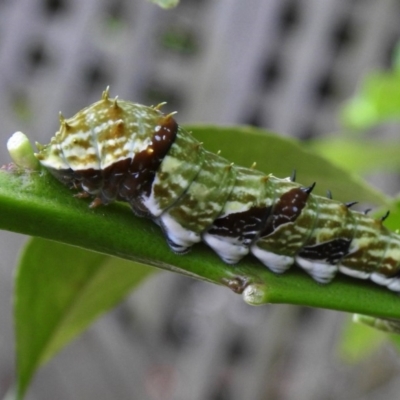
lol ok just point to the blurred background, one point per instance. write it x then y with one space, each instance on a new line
285 65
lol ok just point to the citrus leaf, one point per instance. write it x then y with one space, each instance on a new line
361 155
59 291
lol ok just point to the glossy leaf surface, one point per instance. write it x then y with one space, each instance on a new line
59 291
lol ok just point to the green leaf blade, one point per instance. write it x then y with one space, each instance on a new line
377 101
59 291
359 155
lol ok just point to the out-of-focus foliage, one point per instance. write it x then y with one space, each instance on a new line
377 100
166 3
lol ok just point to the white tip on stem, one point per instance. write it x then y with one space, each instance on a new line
21 151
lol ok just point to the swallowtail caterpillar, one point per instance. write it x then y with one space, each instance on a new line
119 150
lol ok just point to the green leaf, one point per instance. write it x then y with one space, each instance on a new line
359 155
377 101
358 342
166 3
59 291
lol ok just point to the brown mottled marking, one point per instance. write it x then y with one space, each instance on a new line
286 210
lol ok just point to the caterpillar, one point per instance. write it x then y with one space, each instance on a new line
116 150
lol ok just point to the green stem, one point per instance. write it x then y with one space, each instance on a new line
34 203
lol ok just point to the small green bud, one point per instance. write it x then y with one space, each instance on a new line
21 151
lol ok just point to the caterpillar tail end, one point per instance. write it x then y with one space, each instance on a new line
382 324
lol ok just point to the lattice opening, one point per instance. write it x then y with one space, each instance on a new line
343 35
290 16
116 13
272 73
156 92
179 39
96 75
325 88
54 8
36 57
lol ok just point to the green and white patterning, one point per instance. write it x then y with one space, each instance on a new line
118 150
